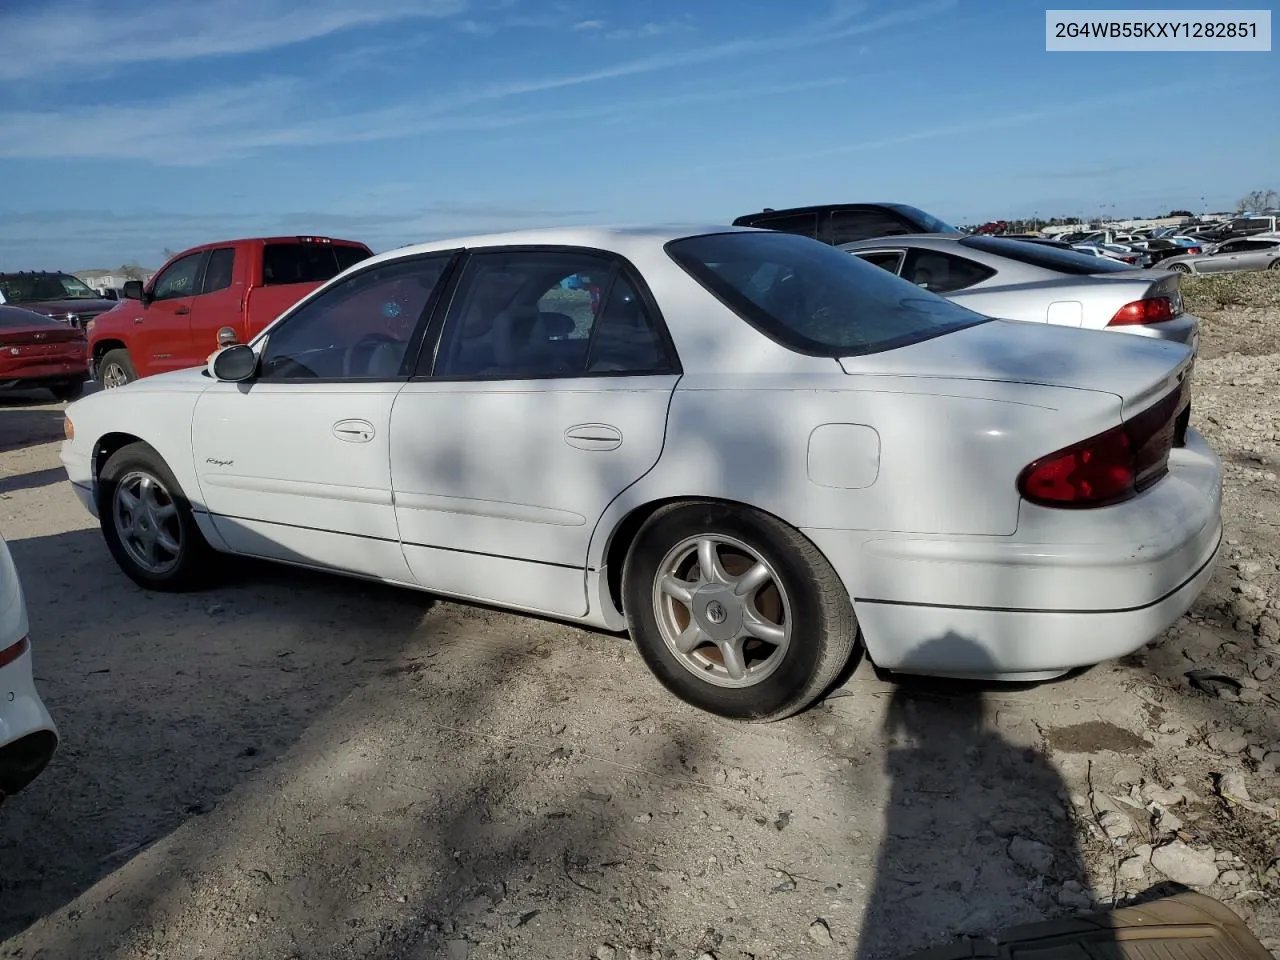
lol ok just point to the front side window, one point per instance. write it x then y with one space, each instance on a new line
217 275
818 300
805 224
847 226
179 278
890 260
359 329
535 314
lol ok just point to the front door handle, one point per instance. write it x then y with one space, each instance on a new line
181 311
354 431
593 436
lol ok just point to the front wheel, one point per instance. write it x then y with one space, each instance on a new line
148 523
115 369
1179 268
1274 265
735 612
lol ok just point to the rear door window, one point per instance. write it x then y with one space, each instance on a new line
890 260
306 262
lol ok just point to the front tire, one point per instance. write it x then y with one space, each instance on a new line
115 369
148 524
1179 268
735 612
1274 265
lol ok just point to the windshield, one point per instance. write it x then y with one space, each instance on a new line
36 287
814 298
930 223
1049 258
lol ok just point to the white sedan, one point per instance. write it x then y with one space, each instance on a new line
28 737
748 448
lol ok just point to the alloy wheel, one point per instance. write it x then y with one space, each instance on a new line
146 519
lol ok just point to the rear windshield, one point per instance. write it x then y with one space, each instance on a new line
930 223
14 317
814 298
1046 257
304 262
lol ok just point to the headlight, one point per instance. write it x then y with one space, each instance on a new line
68 428
89 326
71 318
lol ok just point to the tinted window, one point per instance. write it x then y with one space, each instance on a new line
943 272
306 262
889 260
537 314
34 287
846 226
360 328
217 275
925 222
1253 245
805 224
1049 258
817 300
1253 223
178 279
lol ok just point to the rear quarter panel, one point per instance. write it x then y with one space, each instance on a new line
933 456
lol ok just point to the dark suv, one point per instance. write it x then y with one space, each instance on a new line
56 295
837 223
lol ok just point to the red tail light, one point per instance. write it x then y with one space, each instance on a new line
1151 310
1110 467
10 654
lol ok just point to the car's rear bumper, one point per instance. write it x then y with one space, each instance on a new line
1070 588
28 737
62 374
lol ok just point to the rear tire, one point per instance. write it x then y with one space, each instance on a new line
1179 268
68 391
1274 265
735 612
115 369
148 524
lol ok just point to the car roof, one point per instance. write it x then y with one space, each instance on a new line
614 239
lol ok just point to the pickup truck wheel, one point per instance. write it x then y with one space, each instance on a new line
68 391
148 524
115 369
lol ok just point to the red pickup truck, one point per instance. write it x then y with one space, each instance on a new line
173 321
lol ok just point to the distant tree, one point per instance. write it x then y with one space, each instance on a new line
1179 213
169 252
1256 200
132 271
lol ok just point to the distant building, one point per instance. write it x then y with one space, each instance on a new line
110 279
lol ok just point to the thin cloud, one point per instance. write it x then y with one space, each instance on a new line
649 30
588 25
66 34
232 123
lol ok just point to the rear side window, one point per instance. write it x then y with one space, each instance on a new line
805 224
1049 258
943 272
814 298
306 262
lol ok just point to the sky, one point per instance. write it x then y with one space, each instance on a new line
132 126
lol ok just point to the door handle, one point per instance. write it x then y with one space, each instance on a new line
593 436
180 311
354 431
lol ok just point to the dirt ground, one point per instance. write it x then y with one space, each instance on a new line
294 765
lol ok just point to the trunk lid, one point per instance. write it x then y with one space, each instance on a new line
1138 370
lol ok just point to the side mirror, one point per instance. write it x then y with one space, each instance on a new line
234 364
227 337
132 290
